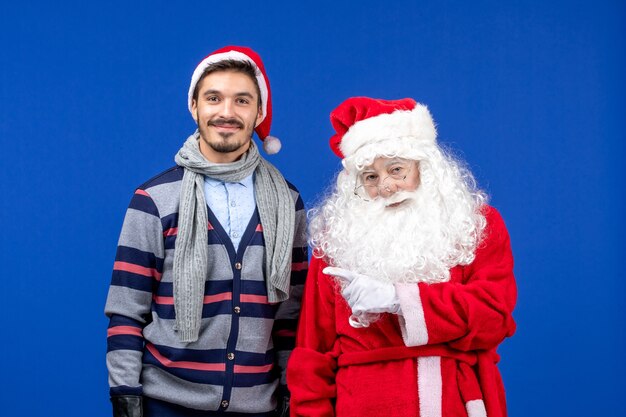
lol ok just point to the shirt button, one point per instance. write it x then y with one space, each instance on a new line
238 265
237 309
233 204
235 234
224 404
231 356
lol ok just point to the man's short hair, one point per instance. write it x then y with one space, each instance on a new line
232 65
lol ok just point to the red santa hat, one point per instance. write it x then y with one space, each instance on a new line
389 125
271 144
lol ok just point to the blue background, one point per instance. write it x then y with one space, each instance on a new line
529 93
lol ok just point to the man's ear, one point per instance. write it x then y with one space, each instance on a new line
194 109
259 117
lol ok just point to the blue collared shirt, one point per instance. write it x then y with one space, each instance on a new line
232 203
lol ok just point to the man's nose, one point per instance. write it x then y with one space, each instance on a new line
386 190
227 109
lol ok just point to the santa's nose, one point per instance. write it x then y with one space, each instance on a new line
386 190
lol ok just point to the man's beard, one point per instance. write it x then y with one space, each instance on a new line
226 144
415 241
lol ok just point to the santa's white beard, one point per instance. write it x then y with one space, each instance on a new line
416 241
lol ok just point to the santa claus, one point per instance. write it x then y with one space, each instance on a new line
411 287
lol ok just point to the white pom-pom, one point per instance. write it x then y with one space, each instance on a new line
271 145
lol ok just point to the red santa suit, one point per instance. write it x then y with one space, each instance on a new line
437 358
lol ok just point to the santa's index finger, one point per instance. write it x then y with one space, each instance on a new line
339 273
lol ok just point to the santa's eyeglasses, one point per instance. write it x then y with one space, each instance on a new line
369 186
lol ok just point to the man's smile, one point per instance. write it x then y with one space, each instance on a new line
226 125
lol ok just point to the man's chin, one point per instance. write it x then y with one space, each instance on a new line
228 144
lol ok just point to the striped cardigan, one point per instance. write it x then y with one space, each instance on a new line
240 356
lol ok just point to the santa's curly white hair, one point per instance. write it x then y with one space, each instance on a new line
439 227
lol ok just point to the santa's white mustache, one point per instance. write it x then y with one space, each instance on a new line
398 198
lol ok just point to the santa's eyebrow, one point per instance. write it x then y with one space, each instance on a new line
394 161
367 172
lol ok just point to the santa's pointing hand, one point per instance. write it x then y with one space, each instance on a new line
364 294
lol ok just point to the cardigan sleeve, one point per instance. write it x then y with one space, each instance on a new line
286 319
138 267
313 363
469 315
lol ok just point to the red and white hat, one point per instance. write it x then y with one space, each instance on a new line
271 144
390 125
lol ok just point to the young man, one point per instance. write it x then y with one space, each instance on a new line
211 261
411 286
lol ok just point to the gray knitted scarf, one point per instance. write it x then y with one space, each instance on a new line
191 262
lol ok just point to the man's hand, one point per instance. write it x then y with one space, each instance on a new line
364 294
127 405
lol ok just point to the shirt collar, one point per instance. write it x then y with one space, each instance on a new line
246 182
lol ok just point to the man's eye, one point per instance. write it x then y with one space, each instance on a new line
398 170
242 101
212 98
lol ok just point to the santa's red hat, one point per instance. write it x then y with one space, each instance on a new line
271 144
361 122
